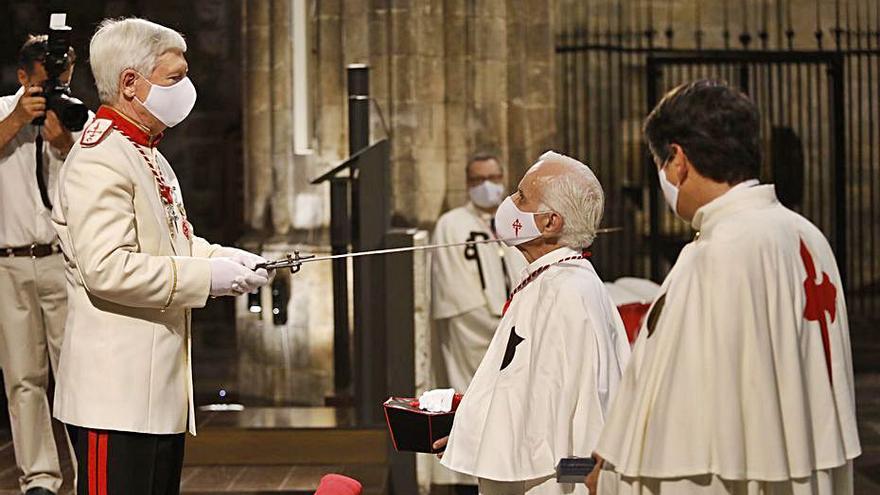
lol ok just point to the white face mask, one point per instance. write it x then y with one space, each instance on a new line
670 191
487 195
170 104
514 225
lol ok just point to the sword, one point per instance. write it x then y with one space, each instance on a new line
295 260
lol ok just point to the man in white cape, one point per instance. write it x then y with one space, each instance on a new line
469 285
741 379
541 391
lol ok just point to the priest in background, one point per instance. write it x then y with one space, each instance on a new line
541 391
469 286
741 381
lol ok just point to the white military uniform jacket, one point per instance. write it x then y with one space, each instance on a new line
134 271
744 368
541 391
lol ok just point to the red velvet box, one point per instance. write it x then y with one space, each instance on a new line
415 430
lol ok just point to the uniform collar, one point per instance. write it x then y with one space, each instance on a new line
136 132
734 200
551 257
540 265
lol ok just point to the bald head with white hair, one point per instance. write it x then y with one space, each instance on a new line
568 199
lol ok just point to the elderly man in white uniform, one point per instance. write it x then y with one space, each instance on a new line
469 285
741 381
541 391
135 270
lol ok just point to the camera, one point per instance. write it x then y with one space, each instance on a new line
71 111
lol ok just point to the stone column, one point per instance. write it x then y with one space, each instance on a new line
476 83
331 132
277 359
407 60
531 100
451 77
257 117
282 166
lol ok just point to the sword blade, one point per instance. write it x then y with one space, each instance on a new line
297 261
374 252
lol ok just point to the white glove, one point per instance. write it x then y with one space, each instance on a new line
229 278
245 258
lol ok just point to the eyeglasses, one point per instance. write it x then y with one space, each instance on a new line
474 180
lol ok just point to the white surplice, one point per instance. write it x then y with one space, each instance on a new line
729 389
468 289
541 391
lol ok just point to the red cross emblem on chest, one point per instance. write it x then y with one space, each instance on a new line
517 226
821 298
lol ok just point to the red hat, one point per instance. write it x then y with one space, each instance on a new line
336 484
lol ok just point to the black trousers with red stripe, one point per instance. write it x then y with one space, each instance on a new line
126 463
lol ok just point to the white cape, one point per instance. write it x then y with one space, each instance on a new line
541 391
732 379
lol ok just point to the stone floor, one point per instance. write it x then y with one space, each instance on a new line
256 479
867 467
205 480
215 480
240 479
866 363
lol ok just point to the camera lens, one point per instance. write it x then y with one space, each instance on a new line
73 113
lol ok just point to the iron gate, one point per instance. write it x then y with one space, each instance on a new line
800 97
817 89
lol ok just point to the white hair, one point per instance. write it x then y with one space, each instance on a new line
575 195
131 43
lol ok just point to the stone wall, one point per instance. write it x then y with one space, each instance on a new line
450 77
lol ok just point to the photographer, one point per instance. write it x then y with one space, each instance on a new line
32 286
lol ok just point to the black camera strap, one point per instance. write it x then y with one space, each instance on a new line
41 178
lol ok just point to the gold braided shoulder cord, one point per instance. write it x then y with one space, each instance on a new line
159 180
173 283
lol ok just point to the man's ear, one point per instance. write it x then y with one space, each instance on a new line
553 224
22 77
679 164
127 80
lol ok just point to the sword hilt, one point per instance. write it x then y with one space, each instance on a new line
293 261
